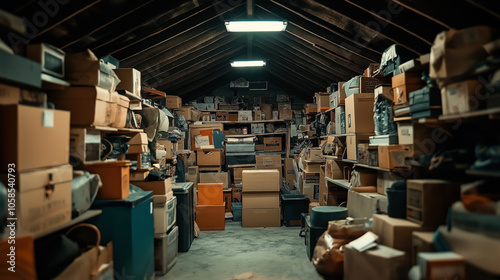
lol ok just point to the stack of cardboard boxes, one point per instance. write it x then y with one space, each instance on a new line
261 207
210 211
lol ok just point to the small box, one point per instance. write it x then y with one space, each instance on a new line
138 149
261 180
359 113
276 115
284 106
352 142
130 80
393 232
173 102
333 169
272 144
210 157
115 177
233 116
428 200
285 114
314 154
157 187
403 84
221 116
385 91
310 108
257 128
360 84
85 144
462 97
257 116
205 117
245 116
441 265
267 160
393 156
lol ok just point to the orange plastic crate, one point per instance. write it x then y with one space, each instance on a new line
211 217
210 193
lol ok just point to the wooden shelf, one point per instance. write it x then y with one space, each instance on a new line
495 174
87 215
400 119
242 165
372 167
153 93
350 134
331 157
243 122
254 134
223 111
111 129
349 161
480 113
339 182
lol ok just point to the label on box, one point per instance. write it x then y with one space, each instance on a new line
48 118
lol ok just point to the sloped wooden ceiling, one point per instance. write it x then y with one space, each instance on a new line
182 47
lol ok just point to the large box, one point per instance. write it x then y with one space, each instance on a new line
462 97
85 69
340 124
360 84
245 116
261 180
261 217
272 144
393 156
173 102
210 157
88 105
268 160
213 177
379 263
352 142
364 205
33 137
359 113
428 200
130 80
393 232
43 198
115 177
261 200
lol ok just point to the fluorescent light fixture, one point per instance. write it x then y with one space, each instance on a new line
255 25
248 63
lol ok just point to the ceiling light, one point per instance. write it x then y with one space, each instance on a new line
248 63
255 26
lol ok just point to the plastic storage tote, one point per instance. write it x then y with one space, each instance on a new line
185 214
293 206
166 250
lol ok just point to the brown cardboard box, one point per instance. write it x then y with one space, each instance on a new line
261 217
245 116
267 110
197 129
33 137
210 157
88 105
279 169
10 95
286 115
393 232
221 116
404 83
352 142
359 113
237 172
260 181
393 156
262 200
314 154
37 209
462 97
428 201
212 177
333 169
236 194
385 91
360 84
289 172
364 205
157 187
138 149
402 93
311 167
173 102
310 108
115 177
421 242
322 101
85 69
257 116
185 111
130 80
121 112
379 263
139 138
272 144
268 160
311 190
323 190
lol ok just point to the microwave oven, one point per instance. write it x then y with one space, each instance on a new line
50 57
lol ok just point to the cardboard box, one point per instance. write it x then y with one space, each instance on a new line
352 142
360 84
311 190
284 106
322 100
310 108
261 217
85 144
262 200
428 201
169 146
238 172
221 116
211 217
385 180
157 187
333 169
286 114
393 232
245 116
314 154
393 156
173 102
441 265
268 160
36 209
462 97
340 123
323 190
260 181
422 241
289 172
210 157
257 128
121 104
402 93
193 174
10 95
372 68
138 149
212 177
379 263
364 205
33 137
85 69
272 144
257 116
404 83
311 167
130 80
359 113
201 131
267 110
385 91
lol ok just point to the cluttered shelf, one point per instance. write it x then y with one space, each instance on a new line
371 167
483 173
111 129
349 134
255 134
243 122
479 113
223 111
87 215
339 182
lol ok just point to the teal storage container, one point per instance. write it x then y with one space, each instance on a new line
321 215
240 158
128 223
293 207
236 211
185 214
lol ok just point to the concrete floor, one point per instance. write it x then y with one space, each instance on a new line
275 253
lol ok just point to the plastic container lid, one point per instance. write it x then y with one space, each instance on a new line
180 188
132 200
321 215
